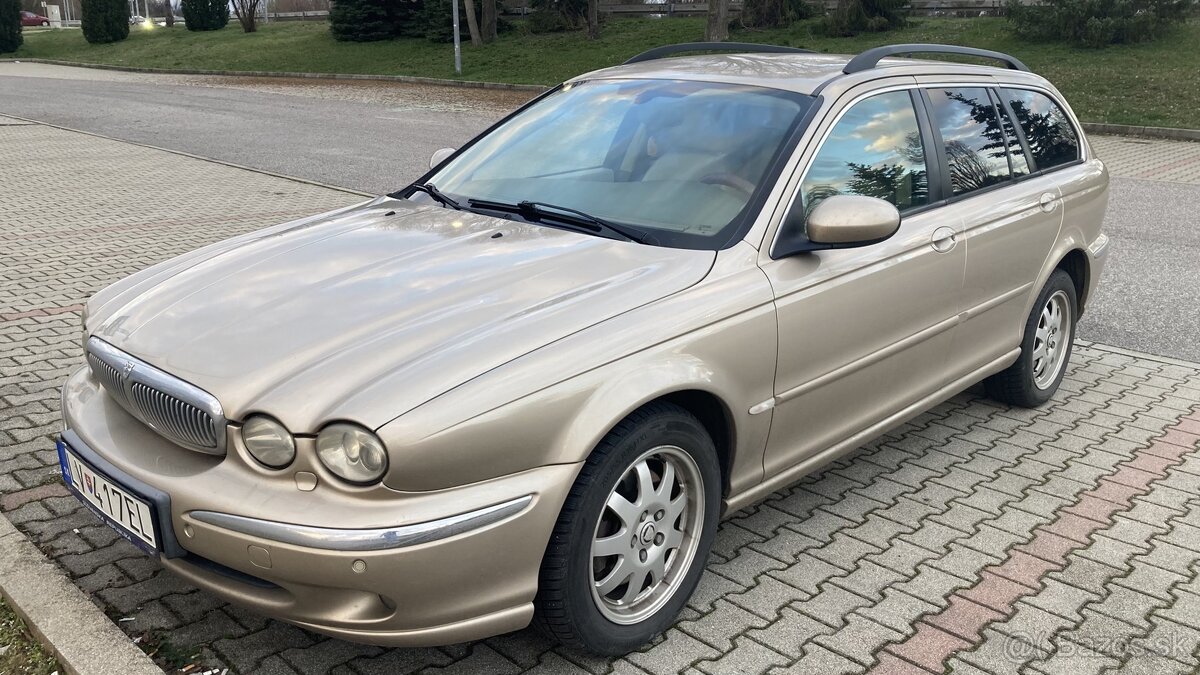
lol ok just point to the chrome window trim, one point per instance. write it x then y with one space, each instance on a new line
375 539
136 371
986 81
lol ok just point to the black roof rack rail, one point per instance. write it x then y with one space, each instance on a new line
870 58
668 50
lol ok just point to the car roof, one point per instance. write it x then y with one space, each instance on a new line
802 73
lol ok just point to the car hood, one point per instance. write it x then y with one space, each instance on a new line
367 313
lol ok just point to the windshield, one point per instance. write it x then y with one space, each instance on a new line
679 160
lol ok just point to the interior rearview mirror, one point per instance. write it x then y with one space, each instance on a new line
840 221
440 156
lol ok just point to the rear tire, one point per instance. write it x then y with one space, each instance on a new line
1045 347
634 533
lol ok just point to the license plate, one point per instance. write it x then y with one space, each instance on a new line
131 516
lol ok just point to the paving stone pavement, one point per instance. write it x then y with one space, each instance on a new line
976 537
1154 159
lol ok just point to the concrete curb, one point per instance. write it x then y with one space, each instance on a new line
60 615
1166 133
284 176
407 79
1170 360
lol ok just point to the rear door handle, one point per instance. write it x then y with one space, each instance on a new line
1048 201
943 240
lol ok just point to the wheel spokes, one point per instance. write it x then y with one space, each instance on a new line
625 510
617 544
615 578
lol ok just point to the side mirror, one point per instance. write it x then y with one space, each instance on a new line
440 156
840 221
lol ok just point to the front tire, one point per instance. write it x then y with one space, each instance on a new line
1045 347
634 533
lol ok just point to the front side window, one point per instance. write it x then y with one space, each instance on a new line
1051 138
971 134
680 160
874 150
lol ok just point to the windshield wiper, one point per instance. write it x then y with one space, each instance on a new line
580 219
438 195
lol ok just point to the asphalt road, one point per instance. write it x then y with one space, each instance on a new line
369 136
376 137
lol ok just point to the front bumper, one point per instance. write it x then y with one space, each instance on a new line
366 564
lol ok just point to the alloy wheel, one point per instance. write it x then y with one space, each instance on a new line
1051 339
647 535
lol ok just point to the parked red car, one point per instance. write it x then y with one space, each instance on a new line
31 19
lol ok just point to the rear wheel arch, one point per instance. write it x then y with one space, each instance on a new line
1075 264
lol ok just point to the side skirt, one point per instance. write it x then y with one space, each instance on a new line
794 474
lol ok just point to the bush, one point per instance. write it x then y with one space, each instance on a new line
205 14
549 21
369 20
360 20
104 20
438 20
774 13
10 26
1096 23
556 16
864 16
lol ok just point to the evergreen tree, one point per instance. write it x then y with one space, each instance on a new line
10 25
369 20
205 14
104 20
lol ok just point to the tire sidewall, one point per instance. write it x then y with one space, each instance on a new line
681 431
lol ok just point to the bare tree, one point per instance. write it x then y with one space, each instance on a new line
472 22
246 12
489 20
717 29
593 19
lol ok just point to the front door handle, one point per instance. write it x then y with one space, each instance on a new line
1048 201
943 240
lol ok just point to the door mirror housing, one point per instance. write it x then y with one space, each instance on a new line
840 221
440 156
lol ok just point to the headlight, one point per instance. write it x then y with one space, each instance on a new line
352 452
268 441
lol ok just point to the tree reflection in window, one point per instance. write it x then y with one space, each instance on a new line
874 150
975 145
1051 138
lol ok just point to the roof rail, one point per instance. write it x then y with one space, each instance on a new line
668 50
870 58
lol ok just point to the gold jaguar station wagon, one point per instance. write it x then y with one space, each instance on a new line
526 387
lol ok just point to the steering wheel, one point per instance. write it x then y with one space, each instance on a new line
730 180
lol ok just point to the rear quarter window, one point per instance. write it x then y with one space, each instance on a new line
1048 131
975 147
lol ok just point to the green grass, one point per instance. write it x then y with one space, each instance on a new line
20 654
1153 84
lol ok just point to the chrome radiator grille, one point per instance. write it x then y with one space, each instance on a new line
179 411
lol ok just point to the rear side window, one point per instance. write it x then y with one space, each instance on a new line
971 134
1016 154
874 150
1051 138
